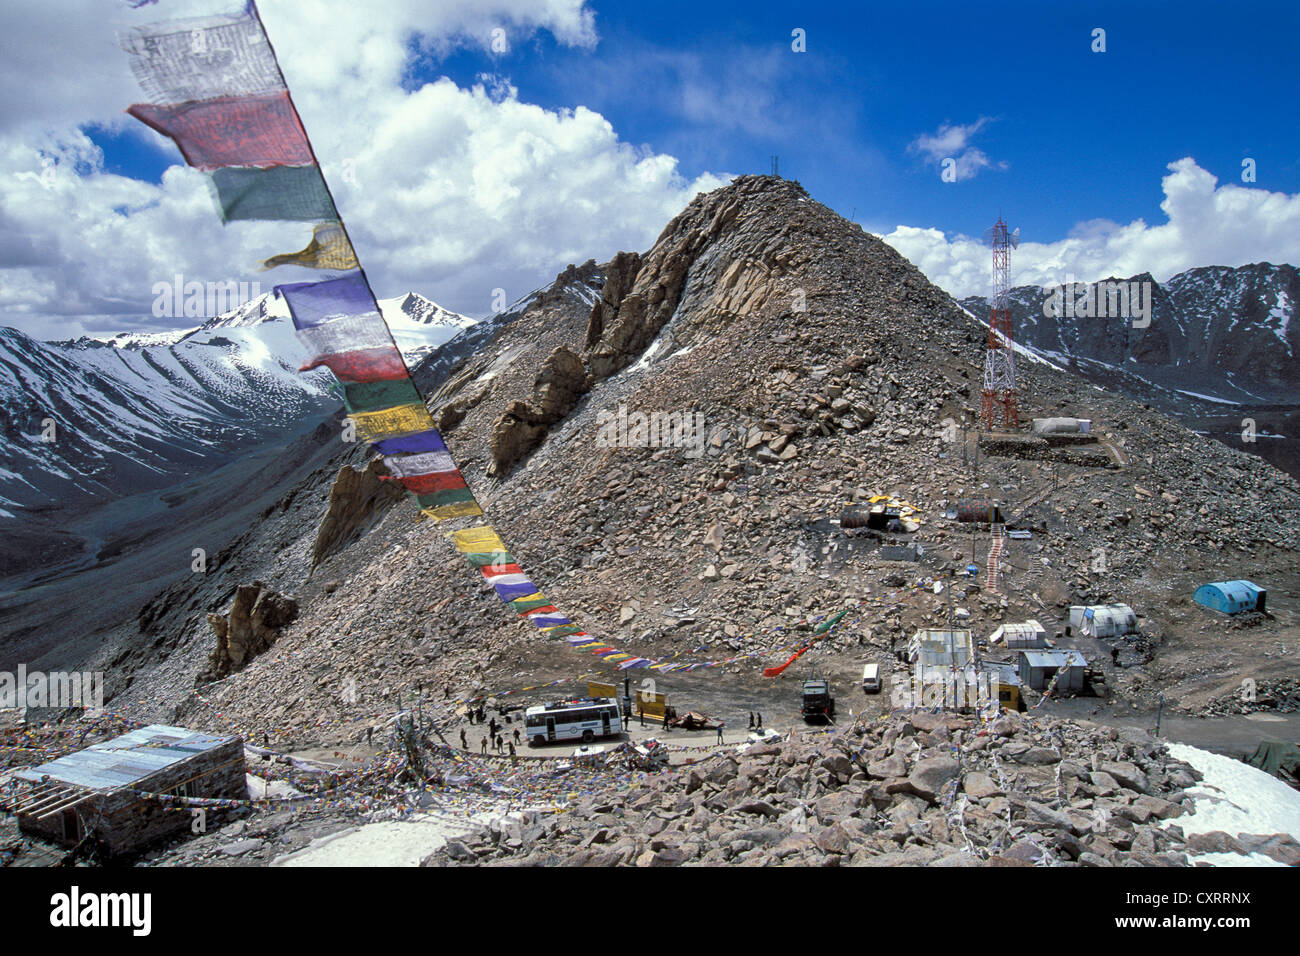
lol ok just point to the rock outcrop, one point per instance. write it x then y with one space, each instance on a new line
357 500
522 427
249 628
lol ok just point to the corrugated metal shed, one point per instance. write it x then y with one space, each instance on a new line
940 648
1038 668
1231 597
124 760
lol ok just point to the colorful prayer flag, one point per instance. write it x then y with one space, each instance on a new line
202 58
347 334
361 365
258 130
477 540
315 303
405 466
404 419
278 193
464 509
372 396
329 249
434 486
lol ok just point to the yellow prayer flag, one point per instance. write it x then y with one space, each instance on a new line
391 422
329 249
478 540
461 509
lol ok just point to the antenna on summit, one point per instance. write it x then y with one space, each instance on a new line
999 355
776 166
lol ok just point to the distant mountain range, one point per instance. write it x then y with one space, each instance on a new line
1218 349
90 419
1215 333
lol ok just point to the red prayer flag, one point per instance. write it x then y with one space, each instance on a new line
259 131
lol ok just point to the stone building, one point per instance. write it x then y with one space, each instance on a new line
109 791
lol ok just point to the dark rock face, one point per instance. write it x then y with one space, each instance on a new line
248 629
357 500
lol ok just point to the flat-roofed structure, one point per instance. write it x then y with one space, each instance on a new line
110 791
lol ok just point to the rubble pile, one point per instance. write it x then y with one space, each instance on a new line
919 789
1281 696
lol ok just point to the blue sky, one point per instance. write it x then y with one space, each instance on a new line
1084 135
477 170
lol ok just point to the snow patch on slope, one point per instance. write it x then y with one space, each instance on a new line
1235 797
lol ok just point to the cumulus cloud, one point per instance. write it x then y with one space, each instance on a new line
953 141
1206 224
452 191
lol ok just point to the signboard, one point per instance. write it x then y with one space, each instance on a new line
652 705
596 689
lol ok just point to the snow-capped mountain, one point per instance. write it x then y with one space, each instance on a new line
582 284
1219 350
93 418
1214 332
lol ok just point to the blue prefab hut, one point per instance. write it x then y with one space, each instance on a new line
1231 597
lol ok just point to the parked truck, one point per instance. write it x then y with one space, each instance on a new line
818 704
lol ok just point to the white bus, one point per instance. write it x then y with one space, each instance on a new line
583 719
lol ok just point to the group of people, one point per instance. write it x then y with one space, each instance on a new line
498 741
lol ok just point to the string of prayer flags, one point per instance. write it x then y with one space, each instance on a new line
218 93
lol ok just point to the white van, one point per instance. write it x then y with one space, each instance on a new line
871 679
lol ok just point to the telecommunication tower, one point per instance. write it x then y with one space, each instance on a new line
999 356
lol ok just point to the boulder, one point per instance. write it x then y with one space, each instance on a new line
1128 775
930 776
979 785
560 382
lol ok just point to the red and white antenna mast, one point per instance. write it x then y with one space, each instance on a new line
999 356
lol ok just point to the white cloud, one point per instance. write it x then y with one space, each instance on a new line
453 192
1206 224
952 141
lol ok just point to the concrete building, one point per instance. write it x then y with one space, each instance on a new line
107 791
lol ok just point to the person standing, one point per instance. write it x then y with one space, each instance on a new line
464 742
482 745
720 726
